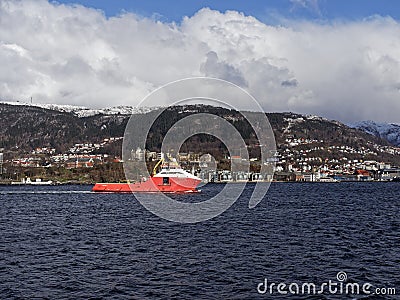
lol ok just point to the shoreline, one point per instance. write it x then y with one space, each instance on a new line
229 182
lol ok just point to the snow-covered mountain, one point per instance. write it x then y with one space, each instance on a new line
390 132
82 111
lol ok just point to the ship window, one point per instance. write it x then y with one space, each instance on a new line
165 180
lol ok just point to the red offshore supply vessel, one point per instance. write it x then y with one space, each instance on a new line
171 179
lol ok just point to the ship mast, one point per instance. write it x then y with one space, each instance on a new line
156 166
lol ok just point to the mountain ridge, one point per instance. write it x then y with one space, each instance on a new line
388 131
24 128
82 111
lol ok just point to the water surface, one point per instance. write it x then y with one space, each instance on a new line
65 242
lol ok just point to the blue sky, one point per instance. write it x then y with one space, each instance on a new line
267 11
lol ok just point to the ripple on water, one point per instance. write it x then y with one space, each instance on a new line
65 242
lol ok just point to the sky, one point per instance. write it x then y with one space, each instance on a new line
333 58
264 10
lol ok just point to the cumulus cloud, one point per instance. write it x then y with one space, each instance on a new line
223 70
73 54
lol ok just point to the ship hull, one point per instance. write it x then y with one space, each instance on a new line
152 185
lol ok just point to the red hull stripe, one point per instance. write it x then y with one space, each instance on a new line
153 184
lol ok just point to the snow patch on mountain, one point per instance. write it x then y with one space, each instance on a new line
388 131
82 111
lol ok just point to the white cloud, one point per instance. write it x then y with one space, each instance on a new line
213 67
73 54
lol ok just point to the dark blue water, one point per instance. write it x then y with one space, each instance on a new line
58 244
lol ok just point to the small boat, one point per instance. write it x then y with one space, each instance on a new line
171 179
328 179
28 181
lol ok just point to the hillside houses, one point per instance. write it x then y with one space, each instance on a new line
301 160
